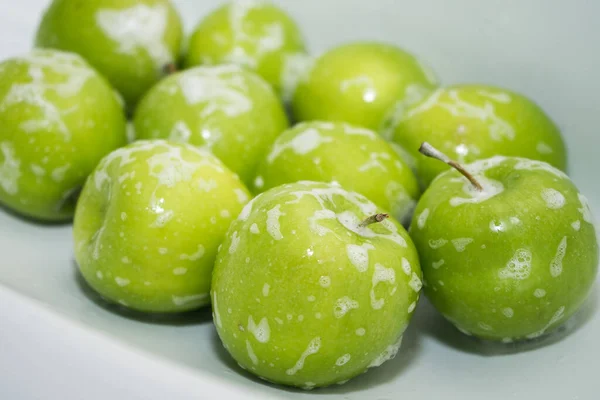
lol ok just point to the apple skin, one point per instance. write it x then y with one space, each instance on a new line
472 122
360 83
254 34
58 118
303 296
226 109
512 262
128 41
149 222
357 158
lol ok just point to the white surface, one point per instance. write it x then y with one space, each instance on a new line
58 341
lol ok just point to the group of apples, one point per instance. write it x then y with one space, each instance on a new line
315 279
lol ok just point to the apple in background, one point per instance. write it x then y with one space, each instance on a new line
254 34
471 122
131 42
512 260
312 285
356 158
361 83
148 224
226 109
58 118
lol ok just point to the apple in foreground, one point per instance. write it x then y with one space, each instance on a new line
149 222
313 285
472 122
511 259
254 34
360 83
357 158
226 109
131 42
58 118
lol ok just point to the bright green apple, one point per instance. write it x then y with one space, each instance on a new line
58 118
356 158
228 110
131 42
472 122
512 261
361 83
305 294
149 222
254 34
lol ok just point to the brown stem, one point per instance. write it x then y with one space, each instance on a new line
430 151
373 219
170 68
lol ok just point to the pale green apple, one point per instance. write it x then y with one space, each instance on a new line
361 83
512 261
131 42
226 109
149 222
254 34
356 158
58 118
304 294
471 122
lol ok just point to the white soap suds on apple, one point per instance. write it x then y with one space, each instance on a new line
381 274
245 213
544 148
499 97
313 347
141 27
374 162
357 130
558 315
122 282
484 326
388 354
539 293
10 169
556 265
491 188
437 243
422 219
261 331
553 198
295 67
343 360
265 289
343 305
415 283
406 267
461 243
533 165
437 264
273 225
194 256
207 185
508 312
585 210
162 219
125 260
359 255
576 225
241 195
215 307
360 332
302 143
254 229
163 250
180 133
251 353
99 275
180 271
325 281
518 267
183 300
235 241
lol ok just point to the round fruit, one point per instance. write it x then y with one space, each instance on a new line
511 261
360 83
58 118
149 222
356 158
131 42
305 294
254 34
230 111
471 122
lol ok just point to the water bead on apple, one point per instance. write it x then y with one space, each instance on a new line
312 285
510 255
256 35
129 41
356 158
360 83
58 118
149 222
471 122
226 109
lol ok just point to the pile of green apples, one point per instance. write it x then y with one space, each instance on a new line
189 187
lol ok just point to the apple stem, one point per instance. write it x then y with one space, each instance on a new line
373 219
170 68
430 151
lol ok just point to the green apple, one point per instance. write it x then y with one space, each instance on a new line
357 158
361 83
149 222
228 110
131 42
513 260
58 118
254 34
472 122
306 292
